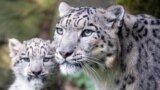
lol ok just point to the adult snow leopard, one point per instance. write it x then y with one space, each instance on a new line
117 50
32 62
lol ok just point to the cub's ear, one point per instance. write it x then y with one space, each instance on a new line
114 14
14 46
64 9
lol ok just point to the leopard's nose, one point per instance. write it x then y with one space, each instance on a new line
36 73
65 54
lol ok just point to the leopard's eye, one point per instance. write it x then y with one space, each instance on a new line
26 59
47 59
87 32
59 31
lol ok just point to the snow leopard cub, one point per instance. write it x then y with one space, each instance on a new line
31 62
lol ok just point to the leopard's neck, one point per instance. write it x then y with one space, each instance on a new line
23 84
128 36
104 78
108 79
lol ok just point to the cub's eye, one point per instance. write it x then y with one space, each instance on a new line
26 59
47 59
59 31
87 32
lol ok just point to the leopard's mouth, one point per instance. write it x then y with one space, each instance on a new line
76 64
40 77
72 61
71 66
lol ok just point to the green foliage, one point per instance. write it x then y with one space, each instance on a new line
21 18
80 80
5 78
18 19
151 7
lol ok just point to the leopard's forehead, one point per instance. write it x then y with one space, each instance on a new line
36 47
79 17
36 43
83 11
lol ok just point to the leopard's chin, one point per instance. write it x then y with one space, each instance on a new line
37 79
38 83
70 69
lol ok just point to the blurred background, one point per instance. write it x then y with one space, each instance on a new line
25 19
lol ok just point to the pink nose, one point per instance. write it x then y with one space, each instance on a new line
65 54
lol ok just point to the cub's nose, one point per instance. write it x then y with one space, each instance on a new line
36 73
65 54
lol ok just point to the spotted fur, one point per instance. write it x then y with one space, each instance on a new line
32 62
118 51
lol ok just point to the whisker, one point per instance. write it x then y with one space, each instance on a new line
94 73
96 62
93 58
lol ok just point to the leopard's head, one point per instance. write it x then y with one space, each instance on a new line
86 35
31 60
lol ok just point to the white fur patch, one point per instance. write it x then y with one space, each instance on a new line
67 69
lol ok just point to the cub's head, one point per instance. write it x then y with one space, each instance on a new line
86 35
31 60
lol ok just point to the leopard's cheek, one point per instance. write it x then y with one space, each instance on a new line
98 48
26 71
87 46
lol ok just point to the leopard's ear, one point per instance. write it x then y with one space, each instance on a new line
52 46
114 14
48 42
14 46
64 9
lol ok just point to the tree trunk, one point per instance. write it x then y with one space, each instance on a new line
45 27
